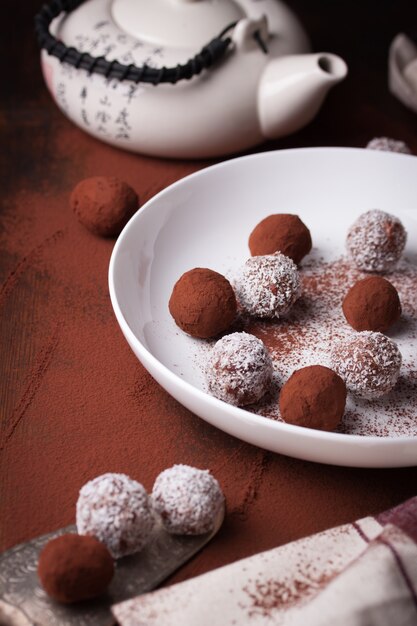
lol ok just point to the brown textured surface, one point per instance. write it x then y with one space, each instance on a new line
73 568
203 303
103 204
283 233
372 304
313 397
75 401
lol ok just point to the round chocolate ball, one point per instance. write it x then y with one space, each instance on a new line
104 204
116 510
72 568
375 242
313 397
368 362
189 500
239 369
267 286
386 144
372 304
203 303
283 233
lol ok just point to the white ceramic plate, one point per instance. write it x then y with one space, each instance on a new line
204 221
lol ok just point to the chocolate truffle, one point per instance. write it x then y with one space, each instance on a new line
375 242
203 303
104 204
267 286
386 144
313 397
116 510
189 500
368 362
283 233
372 304
72 568
239 369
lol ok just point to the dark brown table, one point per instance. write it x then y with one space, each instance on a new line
73 409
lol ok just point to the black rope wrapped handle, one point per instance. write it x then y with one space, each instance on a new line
207 56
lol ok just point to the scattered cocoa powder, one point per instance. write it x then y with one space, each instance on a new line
316 322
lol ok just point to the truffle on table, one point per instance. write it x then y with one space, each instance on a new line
375 241
369 363
239 369
189 500
203 303
73 567
372 304
104 204
313 397
281 232
116 510
267 286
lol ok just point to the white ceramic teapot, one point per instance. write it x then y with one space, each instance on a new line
265 85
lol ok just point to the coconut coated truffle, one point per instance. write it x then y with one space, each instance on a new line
386 144
267 286
203 303
116 510
372 304
72 568
104 204
375 242
368 362
313 397
239 369
283 233
189 500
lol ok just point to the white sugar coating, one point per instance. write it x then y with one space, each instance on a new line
386 144
375 242
116 510
239 369
267 286
368 362
188 500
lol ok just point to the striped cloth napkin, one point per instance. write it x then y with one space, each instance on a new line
360 574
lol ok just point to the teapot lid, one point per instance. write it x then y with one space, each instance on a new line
175 23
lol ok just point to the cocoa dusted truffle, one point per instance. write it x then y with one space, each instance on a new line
368 362
375 242
189 500
115 509
104 204
73 567
372 304
313 397
203 303
283 233
239 369
267 286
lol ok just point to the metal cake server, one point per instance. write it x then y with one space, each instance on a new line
24 603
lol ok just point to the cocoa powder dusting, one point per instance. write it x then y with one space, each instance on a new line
268 596
316 321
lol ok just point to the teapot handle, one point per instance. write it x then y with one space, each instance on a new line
206 58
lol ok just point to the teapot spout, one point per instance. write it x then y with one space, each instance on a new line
292 89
